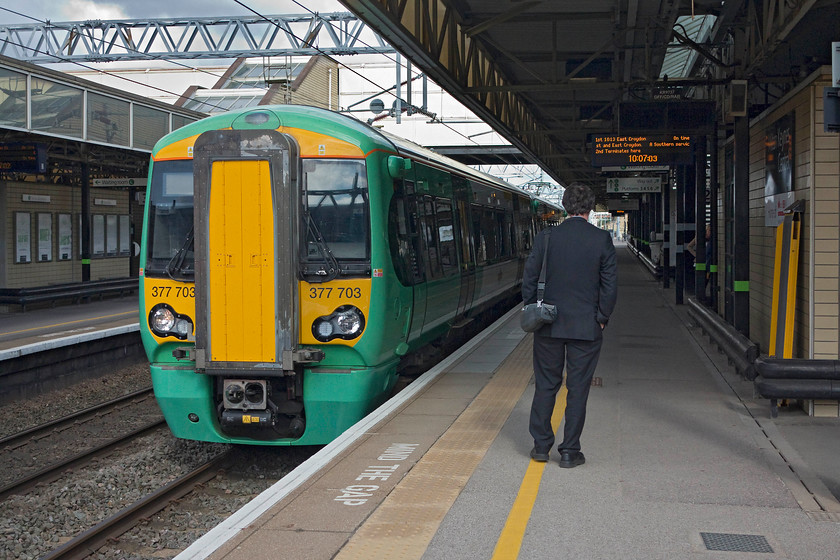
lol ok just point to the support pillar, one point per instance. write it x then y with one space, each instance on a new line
700 262
666 232
679 273
740 287
85 233
712 251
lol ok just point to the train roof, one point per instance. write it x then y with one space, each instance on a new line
340 126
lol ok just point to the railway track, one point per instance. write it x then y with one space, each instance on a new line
86 543
74 440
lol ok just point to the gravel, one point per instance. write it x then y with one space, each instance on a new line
37 522
19 415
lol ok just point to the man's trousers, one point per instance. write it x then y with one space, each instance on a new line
550 355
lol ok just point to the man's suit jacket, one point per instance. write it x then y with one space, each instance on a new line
580 278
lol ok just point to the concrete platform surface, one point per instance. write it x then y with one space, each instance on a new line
68 322
682 462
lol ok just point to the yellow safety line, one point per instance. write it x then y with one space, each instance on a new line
510 541
70 322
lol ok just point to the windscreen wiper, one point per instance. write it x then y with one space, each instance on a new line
331 270
177 260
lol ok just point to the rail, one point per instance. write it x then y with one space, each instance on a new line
740 350
76 291
88 541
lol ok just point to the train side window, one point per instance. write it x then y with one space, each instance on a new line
510 234
403 235
466 238
478 235
489 232
501 236
446 236
430 234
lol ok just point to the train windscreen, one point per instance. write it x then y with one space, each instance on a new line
336 215
170 227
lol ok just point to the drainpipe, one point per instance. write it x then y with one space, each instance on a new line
329 95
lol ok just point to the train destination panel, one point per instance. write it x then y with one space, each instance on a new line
641 149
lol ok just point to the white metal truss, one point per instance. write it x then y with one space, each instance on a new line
190 38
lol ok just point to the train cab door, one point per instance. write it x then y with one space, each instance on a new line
412 210
246 206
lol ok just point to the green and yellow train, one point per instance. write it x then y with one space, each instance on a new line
293 256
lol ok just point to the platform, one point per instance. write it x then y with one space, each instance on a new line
681 463
46 328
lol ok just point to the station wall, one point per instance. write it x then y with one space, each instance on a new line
816 180
40 239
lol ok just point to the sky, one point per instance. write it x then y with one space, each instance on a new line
80 10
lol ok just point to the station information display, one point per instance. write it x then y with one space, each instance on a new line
24 157
641 149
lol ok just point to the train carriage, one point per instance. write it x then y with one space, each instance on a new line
292 257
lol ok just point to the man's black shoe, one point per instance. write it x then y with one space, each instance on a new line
571 459
538 456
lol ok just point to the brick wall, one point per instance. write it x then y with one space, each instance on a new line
53 201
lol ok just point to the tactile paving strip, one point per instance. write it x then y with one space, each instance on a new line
403 526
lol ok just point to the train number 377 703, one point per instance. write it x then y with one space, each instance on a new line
173 291
347 293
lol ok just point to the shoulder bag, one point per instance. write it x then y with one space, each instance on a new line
535 315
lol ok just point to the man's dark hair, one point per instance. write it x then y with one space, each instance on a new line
578 199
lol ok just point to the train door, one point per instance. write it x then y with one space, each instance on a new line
246 257
466 248
435 210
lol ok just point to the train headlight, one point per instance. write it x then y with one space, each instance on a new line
164 321
325 330
347 322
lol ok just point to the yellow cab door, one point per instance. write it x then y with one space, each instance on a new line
241 262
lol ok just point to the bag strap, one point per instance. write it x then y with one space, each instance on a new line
541 281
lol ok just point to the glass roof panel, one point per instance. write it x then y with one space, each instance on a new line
680 57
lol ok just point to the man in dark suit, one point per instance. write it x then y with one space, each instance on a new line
581 281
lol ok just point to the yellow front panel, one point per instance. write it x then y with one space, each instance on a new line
182 149
313 144
241 282
179 295
317 300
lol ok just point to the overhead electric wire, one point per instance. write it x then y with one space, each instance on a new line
354 71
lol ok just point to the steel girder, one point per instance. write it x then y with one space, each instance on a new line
190 38
430 33
769 22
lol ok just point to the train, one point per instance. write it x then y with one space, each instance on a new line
293 257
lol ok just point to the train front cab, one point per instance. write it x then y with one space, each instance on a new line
252 382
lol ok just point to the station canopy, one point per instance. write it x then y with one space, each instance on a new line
548 75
